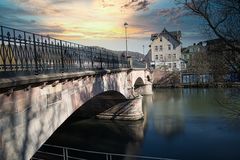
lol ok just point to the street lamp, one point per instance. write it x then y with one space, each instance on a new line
126 25
143 49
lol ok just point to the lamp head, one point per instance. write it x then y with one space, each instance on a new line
125 24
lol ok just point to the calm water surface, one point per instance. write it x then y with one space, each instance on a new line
179 123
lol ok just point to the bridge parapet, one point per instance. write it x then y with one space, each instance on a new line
25 53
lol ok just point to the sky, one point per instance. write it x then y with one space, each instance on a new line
100 22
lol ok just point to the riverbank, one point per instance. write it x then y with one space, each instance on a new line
167 79
200 85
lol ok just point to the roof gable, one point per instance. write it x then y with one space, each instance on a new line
176 35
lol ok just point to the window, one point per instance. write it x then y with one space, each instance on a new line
183 65
169 56
156 48
174 65
174 56
169 65
161 39
161 57
169 47
156 57
160 48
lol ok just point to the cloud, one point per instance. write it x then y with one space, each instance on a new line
173 15
41 8
80 20
137 5
107 4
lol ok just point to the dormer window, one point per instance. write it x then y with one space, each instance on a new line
161 39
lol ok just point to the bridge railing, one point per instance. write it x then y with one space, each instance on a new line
65 153
26 53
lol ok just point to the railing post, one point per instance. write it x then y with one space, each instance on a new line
3 54
118 62
35 54
108 156
121 61
14 54
91 56
101 58
62 58
80 63
113 60
107 60
65 154
44 59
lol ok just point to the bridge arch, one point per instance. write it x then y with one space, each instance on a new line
142 82
138 83
60 96
98 104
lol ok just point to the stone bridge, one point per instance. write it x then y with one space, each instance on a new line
44 81
33 107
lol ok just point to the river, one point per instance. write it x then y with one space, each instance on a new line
188 124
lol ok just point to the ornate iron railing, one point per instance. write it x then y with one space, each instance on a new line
25 53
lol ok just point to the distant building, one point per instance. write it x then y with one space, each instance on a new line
166 50
189 52
219 59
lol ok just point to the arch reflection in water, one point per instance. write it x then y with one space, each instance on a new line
101 135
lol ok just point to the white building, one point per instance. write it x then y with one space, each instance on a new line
166 50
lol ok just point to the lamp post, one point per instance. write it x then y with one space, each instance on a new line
143 49
126 25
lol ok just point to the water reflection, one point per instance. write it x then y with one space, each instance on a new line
168 114
178 123
101 135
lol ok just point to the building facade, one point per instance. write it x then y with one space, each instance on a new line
166 50
189 52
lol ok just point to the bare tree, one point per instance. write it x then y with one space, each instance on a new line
199 64
223 20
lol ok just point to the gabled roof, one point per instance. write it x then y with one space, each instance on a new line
176 35
147 57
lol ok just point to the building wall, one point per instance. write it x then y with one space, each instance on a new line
162 56
190 52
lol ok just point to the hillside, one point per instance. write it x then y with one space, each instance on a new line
135 55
